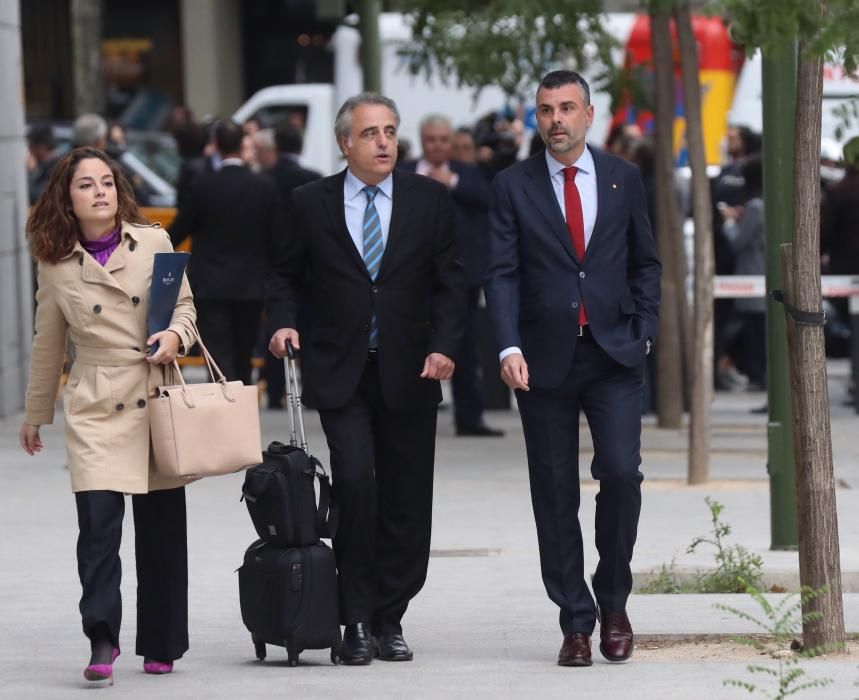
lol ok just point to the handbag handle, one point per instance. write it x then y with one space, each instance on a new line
215 372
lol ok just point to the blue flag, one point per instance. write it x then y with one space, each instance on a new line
167 271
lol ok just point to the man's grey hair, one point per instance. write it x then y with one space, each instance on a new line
343 121
88 130
435 120
264 138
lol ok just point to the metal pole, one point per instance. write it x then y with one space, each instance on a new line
779 98
371 45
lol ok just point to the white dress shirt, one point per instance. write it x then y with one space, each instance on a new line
355 202
586 182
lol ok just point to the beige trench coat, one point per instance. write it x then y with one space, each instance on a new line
102 312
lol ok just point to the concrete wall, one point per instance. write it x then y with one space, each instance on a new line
16 303
212 56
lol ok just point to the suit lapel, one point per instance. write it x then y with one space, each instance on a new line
604 171
337 214
399 219
540 191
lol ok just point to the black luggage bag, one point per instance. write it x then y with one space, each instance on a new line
289 599
280 494
281 498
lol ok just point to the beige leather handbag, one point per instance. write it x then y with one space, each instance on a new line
205 429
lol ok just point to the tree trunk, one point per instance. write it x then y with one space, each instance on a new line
371 44
702 334
669 349
85 16
819 557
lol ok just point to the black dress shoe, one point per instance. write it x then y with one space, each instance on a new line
392 647
359 645
479 430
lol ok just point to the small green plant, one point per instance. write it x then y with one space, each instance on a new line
736 567
781 623
665 581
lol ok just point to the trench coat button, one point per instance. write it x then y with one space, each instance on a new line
582 274
120 406
97 308
575 305
132 246
140 403
135 300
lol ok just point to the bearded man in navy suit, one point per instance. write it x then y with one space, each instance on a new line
573 293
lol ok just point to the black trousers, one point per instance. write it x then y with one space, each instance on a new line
466 380
229 330
610 396
382 468
161 552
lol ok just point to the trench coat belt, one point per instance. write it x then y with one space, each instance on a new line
108 357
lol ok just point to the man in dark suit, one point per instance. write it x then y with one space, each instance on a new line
234 217
287 174
378 249
573 293
469 189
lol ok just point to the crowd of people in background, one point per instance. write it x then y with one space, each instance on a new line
466 158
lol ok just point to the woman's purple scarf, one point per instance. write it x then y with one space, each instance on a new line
101 248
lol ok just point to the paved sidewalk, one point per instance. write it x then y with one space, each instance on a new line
482 627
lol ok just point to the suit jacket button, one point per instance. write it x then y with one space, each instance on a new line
365 327
575 305
375 290
582 274
97 308
140 403
120 406
135 300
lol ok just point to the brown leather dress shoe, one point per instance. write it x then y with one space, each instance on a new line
576 650
616 638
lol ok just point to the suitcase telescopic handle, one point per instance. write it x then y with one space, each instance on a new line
293 397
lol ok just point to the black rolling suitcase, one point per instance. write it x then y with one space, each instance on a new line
288 580
289 599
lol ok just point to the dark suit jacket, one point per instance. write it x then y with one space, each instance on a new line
418 296
471 198
535 283
235 218
287 175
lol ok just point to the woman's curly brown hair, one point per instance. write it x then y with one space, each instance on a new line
52 227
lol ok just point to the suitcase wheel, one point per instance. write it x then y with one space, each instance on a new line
335 656
259 648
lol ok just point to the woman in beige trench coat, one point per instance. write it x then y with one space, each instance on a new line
95 254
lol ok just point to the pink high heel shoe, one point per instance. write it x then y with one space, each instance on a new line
158 668
102 672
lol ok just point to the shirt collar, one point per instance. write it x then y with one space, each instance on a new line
585 163
354 185
232 161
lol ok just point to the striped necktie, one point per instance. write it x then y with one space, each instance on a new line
373 249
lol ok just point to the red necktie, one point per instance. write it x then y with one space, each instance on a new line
575 224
